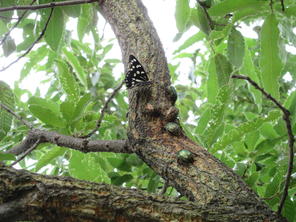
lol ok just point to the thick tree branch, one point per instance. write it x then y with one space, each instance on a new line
83 145
47 5
29 196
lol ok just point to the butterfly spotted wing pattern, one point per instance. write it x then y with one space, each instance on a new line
135 74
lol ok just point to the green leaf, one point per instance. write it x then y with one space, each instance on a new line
7 99
81 105
190 41
68 108
235 48
215 124
72 10
68 81
47 157
245 128
200 19
87 167
153 183
6 156
8 46
48 104
248 69
223 69
3 28
270 61
55 29
47 116
34 58
84 20
290 103
273 186
72 59
212 82
182 14
228 6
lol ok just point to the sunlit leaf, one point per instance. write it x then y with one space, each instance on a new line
55 29
235 48
7 99
270 61
182 14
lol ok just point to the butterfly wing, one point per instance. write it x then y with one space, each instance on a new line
135 74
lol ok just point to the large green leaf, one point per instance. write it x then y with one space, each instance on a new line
47 157
55 29
270 61
84 20
8 46
200 19
190 41
182 14
228 6
215 125
235 48
68 81
7 99
87 167
223 69
245 128
212 82
248 69
72 59
47 116
47 111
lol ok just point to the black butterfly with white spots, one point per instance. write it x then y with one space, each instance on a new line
135 74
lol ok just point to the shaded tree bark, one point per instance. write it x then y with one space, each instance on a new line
214 191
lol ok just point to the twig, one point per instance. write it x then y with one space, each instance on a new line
27 124
7 18
47 5
33 44
26 152
271 4
16 24
283 5
103 111
291 139
83 145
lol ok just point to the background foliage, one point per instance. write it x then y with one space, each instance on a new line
228 117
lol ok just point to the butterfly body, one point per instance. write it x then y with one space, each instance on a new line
136 74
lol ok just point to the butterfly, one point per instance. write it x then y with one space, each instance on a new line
135 74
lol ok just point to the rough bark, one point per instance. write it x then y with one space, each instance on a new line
217 194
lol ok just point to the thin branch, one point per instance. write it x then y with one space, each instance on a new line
33 44
7 109
83 145
291 139
7 18
26 152
99 122
47 5
283 5
16 24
